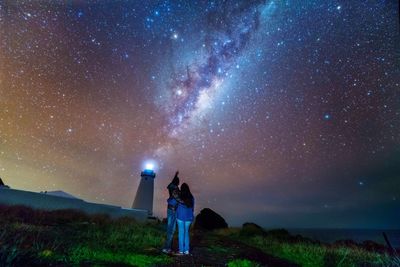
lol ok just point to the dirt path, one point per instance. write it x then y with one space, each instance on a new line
215 251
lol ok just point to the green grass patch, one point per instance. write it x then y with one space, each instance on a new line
243 263
85 254
71 238
308 254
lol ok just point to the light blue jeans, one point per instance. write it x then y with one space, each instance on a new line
183 234
171 225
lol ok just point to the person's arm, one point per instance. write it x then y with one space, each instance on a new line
176 195
171 185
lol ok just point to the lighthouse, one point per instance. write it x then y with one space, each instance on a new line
144 195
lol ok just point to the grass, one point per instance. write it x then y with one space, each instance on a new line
83 253
243 263
307 253
73 238
69 237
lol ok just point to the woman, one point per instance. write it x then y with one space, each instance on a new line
172 201
185 216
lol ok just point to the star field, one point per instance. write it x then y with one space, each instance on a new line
285 113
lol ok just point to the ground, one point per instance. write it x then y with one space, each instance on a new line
31 237
211 249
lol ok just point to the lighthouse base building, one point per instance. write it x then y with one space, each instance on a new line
59 200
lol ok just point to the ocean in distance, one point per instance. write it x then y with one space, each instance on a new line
357 235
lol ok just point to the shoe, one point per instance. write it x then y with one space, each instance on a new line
180 253
186 252
166 251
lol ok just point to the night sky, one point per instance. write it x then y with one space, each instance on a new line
284 113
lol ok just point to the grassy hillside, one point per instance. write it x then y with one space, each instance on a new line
307 252
71 237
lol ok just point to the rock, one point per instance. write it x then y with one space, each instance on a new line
208 219
252 229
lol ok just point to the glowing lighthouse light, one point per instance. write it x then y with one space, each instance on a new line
149 167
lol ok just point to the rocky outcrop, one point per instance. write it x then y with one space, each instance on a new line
252 229
208 219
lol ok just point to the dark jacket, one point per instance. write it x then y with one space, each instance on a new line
173 199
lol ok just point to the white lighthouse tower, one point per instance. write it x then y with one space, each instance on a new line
144 195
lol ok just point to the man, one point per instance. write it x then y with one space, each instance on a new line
173 200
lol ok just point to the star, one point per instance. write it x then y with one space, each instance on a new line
245 97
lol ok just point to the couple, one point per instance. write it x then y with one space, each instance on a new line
180 210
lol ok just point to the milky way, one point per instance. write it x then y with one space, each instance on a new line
285 113
222 45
